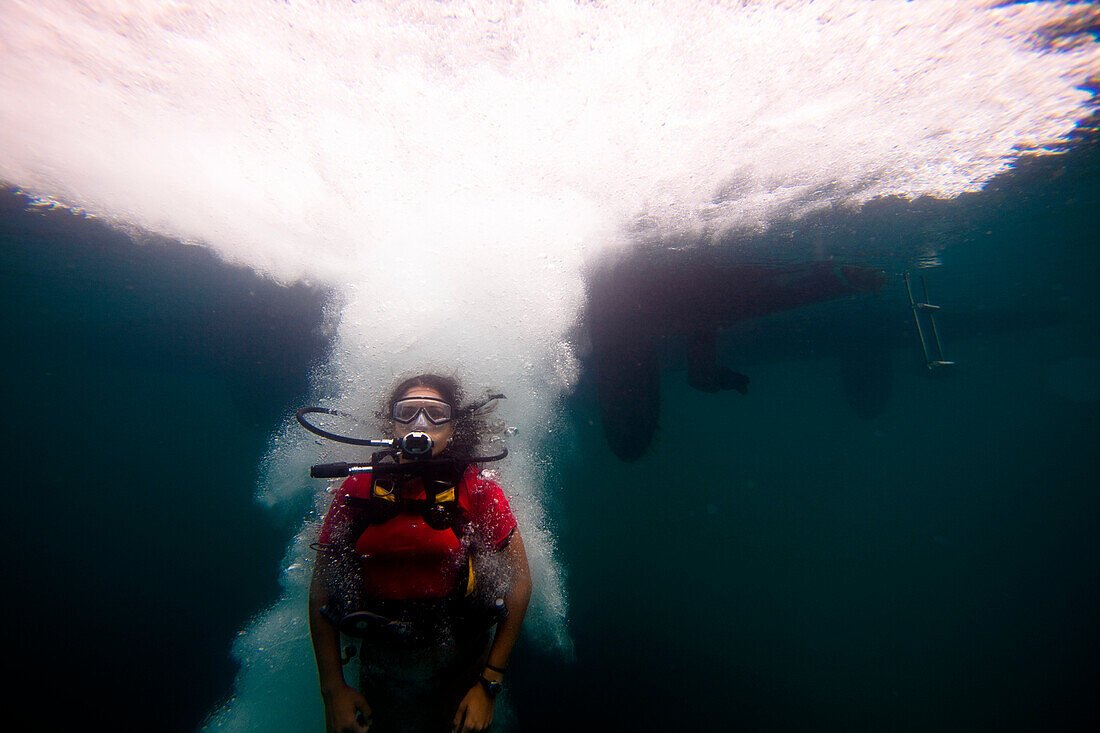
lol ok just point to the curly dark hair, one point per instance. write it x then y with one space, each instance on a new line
469 427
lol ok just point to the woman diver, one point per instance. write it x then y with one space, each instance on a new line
421 565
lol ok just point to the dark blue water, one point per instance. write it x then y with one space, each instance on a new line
774 562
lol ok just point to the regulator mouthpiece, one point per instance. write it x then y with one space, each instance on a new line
416 445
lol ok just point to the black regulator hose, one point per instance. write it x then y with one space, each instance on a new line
420 466
300 416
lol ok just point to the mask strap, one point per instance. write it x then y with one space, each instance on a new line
470 409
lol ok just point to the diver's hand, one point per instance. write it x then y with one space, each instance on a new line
346 711
475 712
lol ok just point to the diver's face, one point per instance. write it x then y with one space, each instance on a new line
440 434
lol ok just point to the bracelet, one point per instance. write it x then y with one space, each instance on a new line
495 669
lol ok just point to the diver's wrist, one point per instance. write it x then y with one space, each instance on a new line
492 674
491 687
333 688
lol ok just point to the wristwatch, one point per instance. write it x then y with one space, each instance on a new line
493 688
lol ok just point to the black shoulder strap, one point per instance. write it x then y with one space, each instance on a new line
439 507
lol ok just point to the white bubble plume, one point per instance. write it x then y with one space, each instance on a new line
449 168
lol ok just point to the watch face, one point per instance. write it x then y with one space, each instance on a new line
493 688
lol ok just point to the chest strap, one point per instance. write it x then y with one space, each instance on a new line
440 509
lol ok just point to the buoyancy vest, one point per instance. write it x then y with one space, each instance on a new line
439 507
412 619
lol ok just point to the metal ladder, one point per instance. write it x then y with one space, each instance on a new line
924 313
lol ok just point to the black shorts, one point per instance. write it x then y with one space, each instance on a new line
416 687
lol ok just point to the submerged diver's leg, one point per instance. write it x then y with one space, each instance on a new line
417 688
471 658
704 373
377 687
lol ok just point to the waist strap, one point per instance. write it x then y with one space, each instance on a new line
412 621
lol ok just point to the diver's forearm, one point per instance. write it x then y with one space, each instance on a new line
507 633
326 643
515 600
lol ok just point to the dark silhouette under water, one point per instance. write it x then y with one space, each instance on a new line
638 299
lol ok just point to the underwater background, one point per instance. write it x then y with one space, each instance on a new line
775 561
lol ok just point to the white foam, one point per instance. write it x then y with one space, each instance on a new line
450 167
308 137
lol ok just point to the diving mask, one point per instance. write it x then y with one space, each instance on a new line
422 412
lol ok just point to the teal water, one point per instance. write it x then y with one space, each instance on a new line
131 534
802 568
774 562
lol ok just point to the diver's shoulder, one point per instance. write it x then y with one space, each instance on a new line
480 479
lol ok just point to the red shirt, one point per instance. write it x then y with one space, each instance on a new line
404 558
